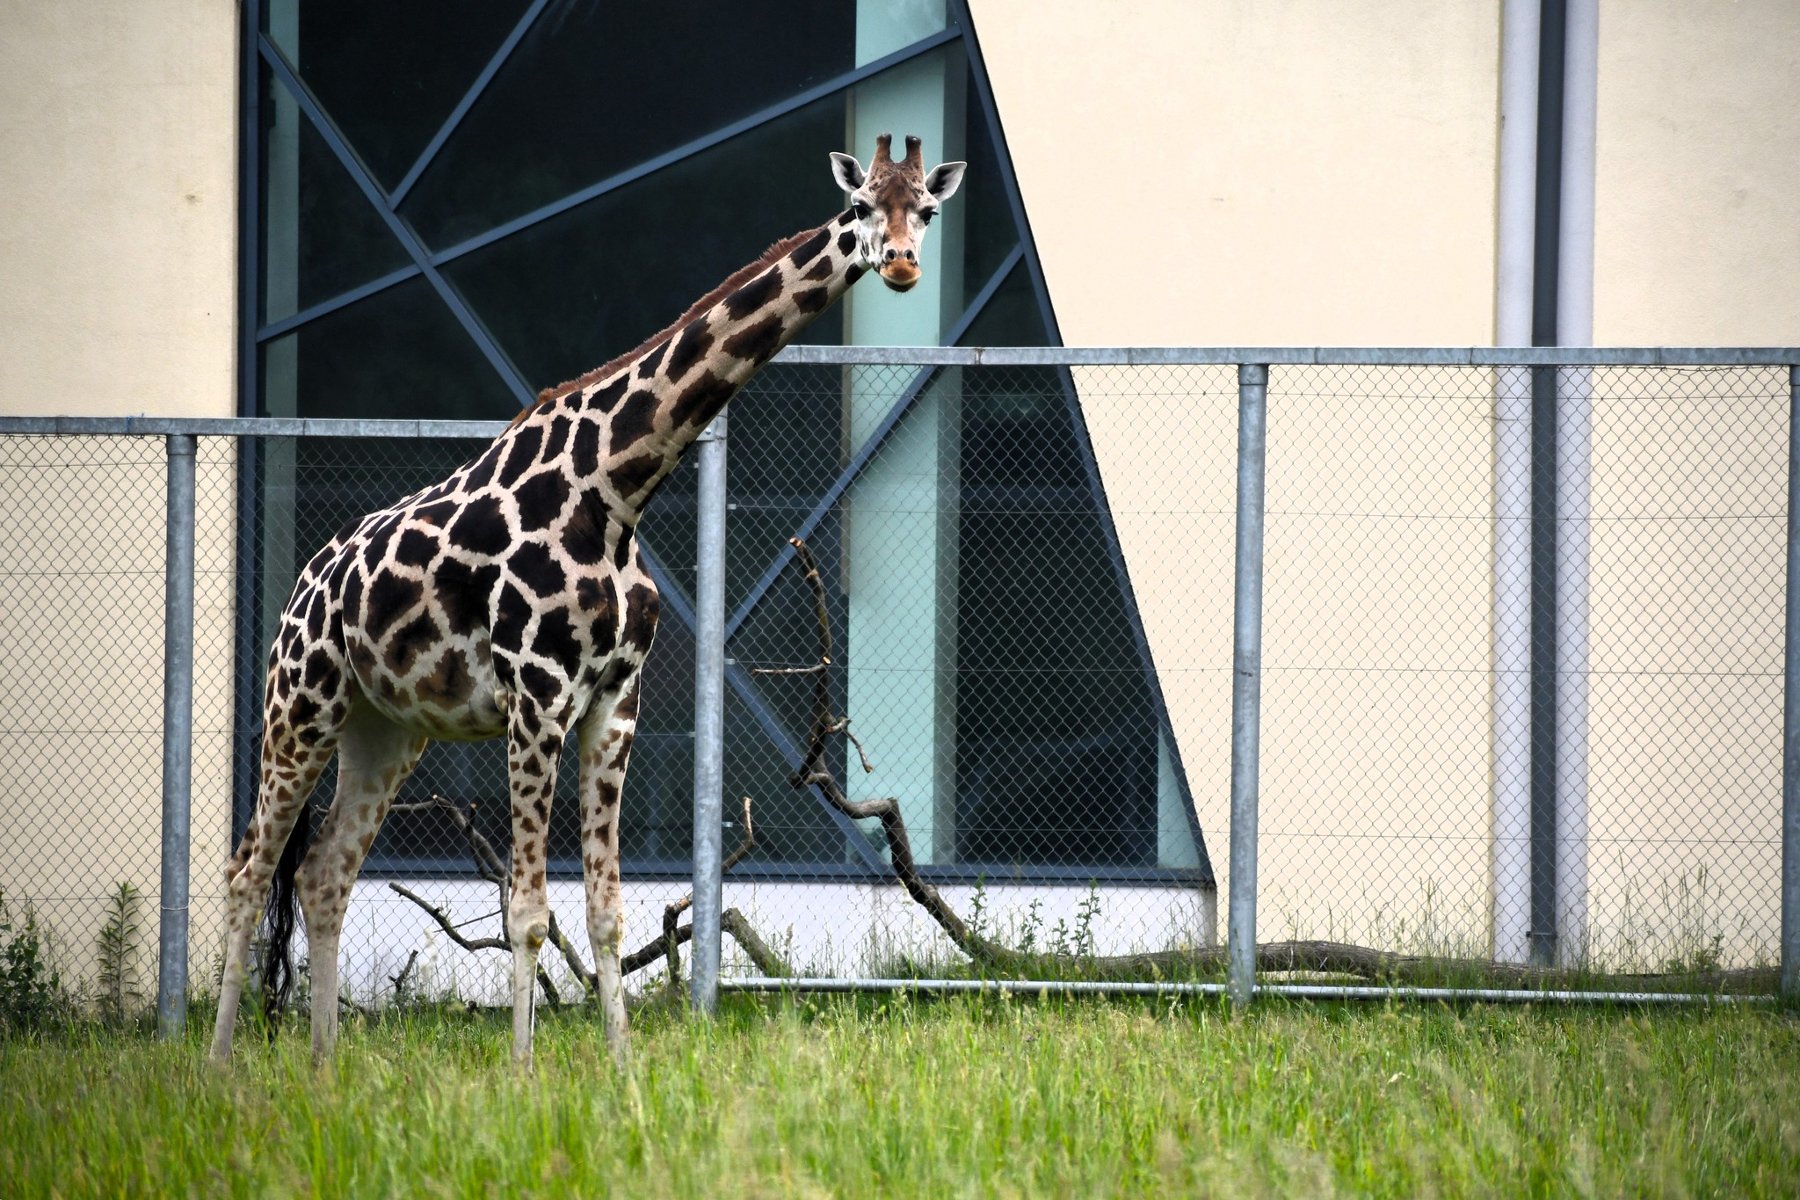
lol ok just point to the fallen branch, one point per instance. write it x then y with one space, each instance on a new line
1332 958
491 868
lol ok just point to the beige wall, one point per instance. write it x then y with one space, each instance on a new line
1272 173
118 245
118 159
1697 174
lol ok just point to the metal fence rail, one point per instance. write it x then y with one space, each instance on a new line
1466 693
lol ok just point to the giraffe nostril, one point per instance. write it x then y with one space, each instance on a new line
911 257
891 252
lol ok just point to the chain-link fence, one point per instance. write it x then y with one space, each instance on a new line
1521 681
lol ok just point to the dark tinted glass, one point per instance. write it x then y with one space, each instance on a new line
597 88
1055 722
566 295
388 73
320 234
989 233
398 353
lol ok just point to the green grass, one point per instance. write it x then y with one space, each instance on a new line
967 1097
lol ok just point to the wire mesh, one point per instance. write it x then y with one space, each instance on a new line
1027 573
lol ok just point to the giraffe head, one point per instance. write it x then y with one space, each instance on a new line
894 202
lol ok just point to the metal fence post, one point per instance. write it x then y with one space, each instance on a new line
1790 717
709 712
178 741
1246 679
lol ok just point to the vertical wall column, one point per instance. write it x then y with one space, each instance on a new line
1574 486
901 537
1510 861
1246 681
178 739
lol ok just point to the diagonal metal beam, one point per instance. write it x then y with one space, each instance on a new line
365 182
498 60
723 134
342 300
870 447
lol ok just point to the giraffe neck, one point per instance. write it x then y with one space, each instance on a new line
631 425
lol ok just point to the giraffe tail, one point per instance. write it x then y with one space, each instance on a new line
280 917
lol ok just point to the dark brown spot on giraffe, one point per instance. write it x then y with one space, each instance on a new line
527 439
302 709
559 437
449 682
854 273
556 640
464 591
642 605
820 270
584 454
846 241
606 397
622 548
756 343
701 400
813 299
533 565
541 499
541 685
321 672
481 527
410 641
442 512
416 548
595 595
633 422
652 362
390 597
584 536
753 295
689 345
806 251
606 794
315 616
634 475
482 470
537 880
511 615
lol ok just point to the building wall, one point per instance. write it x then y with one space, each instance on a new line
118 266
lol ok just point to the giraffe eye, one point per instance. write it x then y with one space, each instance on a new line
926 215
862 209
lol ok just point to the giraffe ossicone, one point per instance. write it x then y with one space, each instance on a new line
510 600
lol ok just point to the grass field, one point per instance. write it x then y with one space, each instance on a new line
900 1096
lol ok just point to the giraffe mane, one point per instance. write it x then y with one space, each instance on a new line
732 283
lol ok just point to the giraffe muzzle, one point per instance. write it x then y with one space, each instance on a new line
900 274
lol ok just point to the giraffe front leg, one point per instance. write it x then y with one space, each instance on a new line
533 748
606 736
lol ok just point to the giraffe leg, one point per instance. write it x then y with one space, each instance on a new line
374 758
606 736
533 748
291 764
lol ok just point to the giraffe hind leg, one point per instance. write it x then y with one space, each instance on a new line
291 766
606 737
375 756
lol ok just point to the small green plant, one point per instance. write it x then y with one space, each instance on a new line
32 995
1028 932
1085 916
978 907
116 955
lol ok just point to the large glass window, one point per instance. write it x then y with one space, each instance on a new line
460 203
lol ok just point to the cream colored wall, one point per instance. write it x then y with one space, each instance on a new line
1234 173
118 263
1697 174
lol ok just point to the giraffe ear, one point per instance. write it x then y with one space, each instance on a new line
847 171
944 180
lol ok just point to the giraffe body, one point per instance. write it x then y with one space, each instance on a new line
510 600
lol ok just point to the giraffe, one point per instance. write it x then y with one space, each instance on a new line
510 600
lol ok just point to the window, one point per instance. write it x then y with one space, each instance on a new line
461 201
